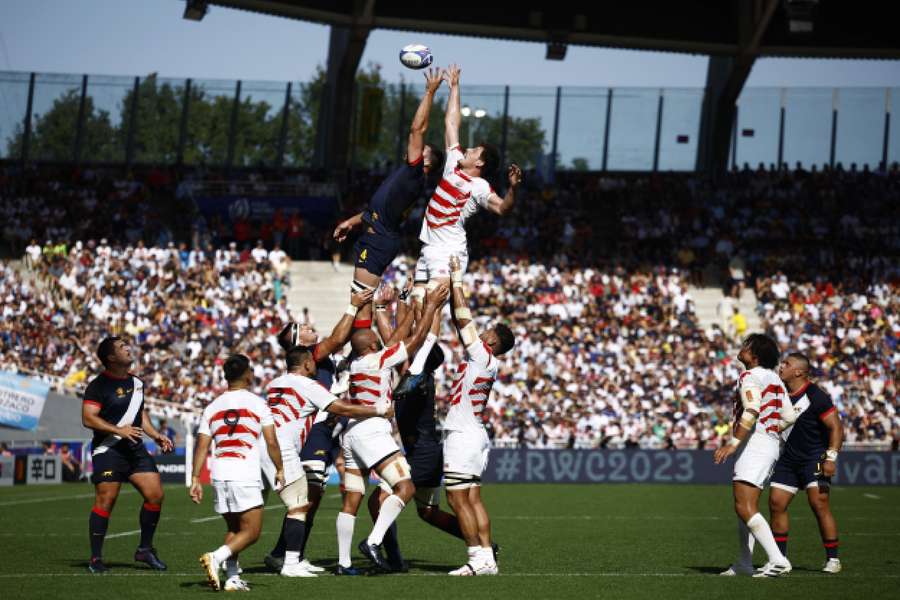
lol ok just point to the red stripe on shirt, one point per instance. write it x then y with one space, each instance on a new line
226 430
358 389
439 215
463 175
389 353
827 413
433 225
236 443
364 377
242 413
452 190
231 455
94 402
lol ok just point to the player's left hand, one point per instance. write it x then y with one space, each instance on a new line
723 453
196 492
279 479
360 299
342 230
165 444
433 79
828 468
515 175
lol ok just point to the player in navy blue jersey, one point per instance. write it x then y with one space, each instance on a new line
113 407
380 241
321 445
808 459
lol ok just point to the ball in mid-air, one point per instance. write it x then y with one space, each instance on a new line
416 56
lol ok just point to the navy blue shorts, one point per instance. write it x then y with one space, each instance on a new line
118 464
794 476
319 445
374 251
426 463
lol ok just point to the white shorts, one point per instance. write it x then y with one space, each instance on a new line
289 444
367 443
757 460
236 496
434 261
466 452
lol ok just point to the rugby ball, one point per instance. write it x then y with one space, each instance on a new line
416 56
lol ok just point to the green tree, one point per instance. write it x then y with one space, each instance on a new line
53 132
579 164
158 121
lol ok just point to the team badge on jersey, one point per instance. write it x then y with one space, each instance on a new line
363 254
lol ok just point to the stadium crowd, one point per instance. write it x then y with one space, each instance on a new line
592 274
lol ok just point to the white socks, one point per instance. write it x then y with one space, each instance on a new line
473 552
345 523
763 534
222 554
745 545
418 364
486 554
291 558
387 514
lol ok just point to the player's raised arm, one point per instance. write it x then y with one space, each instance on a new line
454 115
501 206
416 143
459 307
345 227
434 300
341 332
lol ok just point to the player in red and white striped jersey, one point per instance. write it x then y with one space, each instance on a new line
295 399
369 444
232 423
461 193
466 443
763 411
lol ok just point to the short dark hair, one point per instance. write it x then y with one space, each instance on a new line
106 348
507 339
235 366
297 355
490 156
801 358
289 336
764 349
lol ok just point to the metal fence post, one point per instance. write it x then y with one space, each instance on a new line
132 123
399 151
79 127
282 135
887 129
555 146
232 128
182 128
834 121
609 101
781 130
504 126
734 136
659 115
26 135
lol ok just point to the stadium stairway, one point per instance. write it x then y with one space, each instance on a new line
706 303
325 292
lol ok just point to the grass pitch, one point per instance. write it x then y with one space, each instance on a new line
558 541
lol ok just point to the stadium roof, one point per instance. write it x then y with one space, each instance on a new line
840 29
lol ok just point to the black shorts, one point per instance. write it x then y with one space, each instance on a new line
119 463
320 445
374 251
794 476
426 463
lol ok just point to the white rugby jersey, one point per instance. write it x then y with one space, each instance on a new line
773 393
295 402
471 388
456 198
371 378
234 421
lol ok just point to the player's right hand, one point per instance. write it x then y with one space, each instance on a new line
130 433
342 230
196 492
723 453
360 299
438 295
279 479
451 75
455 264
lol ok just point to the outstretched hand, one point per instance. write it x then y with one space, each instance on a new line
451 75
433 79
515 175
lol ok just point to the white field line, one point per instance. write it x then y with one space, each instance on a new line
620 574
872 496
55 498
217 517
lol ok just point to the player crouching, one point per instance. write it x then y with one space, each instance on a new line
466 443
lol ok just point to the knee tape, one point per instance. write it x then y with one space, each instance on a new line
354 483
294 495
395 471
460 481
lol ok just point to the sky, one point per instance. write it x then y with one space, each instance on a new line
137 37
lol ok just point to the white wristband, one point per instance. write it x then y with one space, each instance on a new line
352 310
456 278
734 442
831 455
